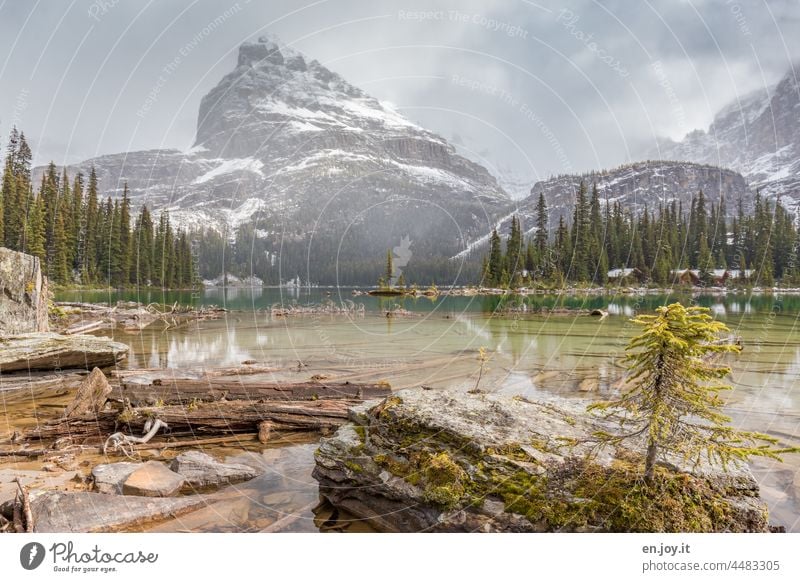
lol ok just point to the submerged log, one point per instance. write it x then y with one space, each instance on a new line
149 389
218 418
50 351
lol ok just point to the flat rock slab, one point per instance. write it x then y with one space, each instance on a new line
60 512
108 478
32 479
202 470
153 479
50 351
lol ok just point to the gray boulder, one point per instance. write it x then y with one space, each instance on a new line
87 512
153 479
109 477
202 470
442 461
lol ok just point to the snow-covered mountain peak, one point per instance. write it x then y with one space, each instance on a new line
288 147
757 134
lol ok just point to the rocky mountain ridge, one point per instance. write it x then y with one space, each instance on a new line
312 165
757 135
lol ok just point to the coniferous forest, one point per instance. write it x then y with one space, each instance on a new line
83 239
753 246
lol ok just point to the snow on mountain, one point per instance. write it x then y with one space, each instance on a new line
230 166
286 142
757 135
635 186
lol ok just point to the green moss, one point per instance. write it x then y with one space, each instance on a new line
580 493
354 467
382 410
126 416
361 431
570 495
444 481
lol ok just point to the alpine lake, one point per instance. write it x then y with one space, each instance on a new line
436 343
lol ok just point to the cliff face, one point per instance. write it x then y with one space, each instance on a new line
23 294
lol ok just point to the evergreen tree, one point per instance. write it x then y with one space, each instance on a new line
495 260
389 271
674 397
34 232
142 258
92 228
514 263
124 237
705 263
541 236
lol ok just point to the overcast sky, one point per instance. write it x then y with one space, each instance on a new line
536 87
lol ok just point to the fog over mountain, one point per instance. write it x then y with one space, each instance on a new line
533 89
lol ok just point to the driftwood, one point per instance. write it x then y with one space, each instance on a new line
19 526
40 380
85 327
248 368
151 389
218 418
241 438
91 396
26 506
119 441
131 316
25 453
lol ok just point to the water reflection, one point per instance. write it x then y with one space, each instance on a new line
575 356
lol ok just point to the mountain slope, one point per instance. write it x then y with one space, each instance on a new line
635 186
320 171
758 135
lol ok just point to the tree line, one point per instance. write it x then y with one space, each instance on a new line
757 245
81 239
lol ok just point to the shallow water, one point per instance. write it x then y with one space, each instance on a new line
575 356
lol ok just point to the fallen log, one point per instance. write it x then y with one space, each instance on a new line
247 368
85 327
50 351
35 381
217 418
161 388
18 522
25 453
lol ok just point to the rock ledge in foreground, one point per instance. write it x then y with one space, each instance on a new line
437 461
50 351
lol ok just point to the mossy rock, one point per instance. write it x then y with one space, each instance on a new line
433 461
